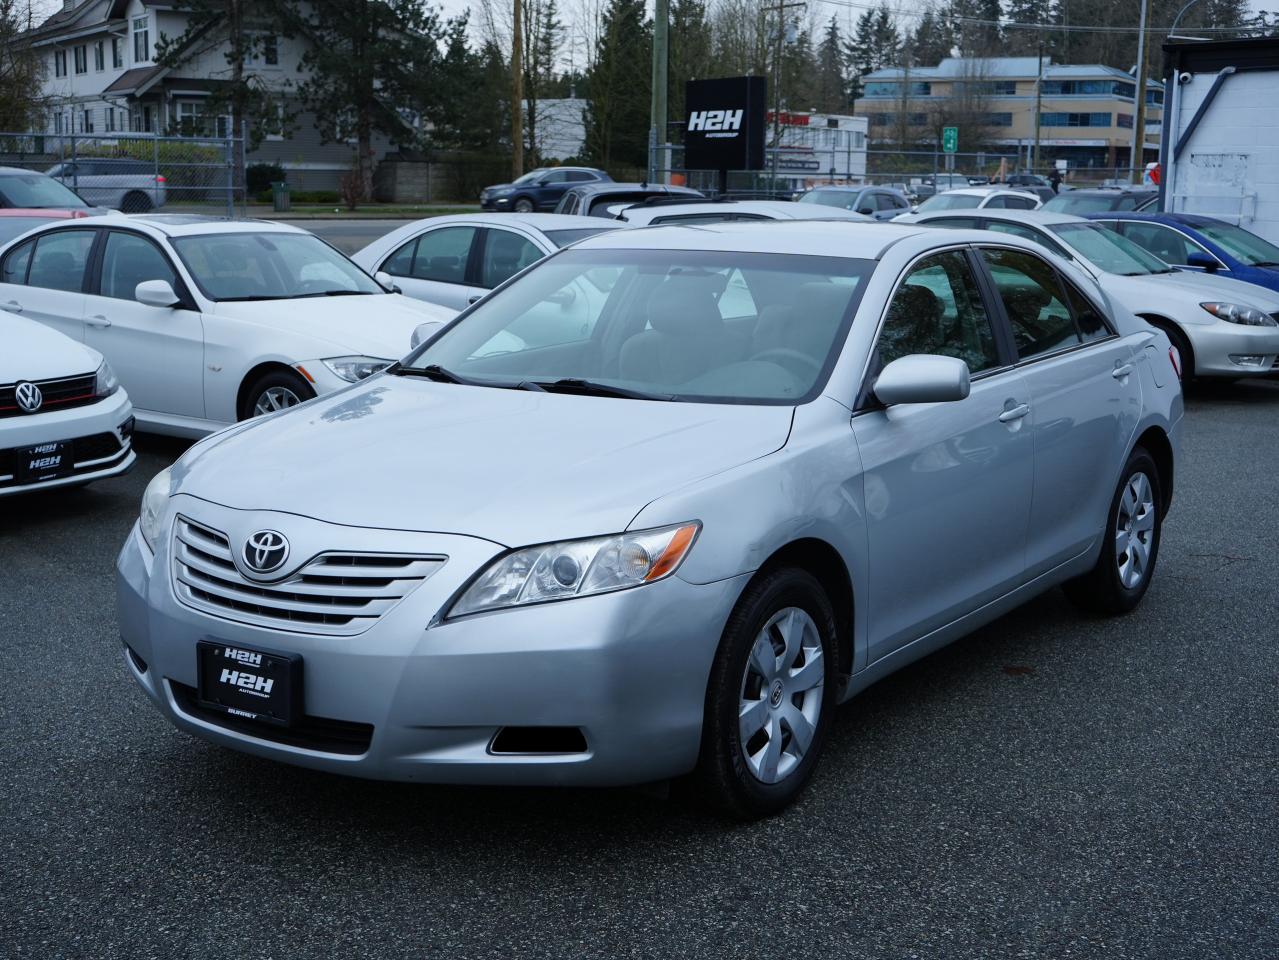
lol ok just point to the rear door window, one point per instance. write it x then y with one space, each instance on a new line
439 255
60 259
1037 312
505 254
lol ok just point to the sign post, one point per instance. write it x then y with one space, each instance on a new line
725 125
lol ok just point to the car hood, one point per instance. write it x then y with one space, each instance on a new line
498 186
376 326
1207 287
33 351
512 466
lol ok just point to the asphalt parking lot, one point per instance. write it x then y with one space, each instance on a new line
1052 786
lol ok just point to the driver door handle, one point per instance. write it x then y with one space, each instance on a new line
98 320
1122 370
1014 413
13 306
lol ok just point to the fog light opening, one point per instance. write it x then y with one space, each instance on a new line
538 741
138 663
1250 359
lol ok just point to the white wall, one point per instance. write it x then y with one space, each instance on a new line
1230 167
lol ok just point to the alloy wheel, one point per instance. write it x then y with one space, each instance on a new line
1135 530
781 695
275 398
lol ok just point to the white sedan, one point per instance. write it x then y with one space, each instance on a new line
209 321
453 261
64 419
696 211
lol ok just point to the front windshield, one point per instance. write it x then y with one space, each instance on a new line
658 324
1089 203
34 191
270 266
950 201
830 198
1239 243
1108 251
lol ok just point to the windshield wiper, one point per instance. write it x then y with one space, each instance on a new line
433 371
333 293
1266 263
596 389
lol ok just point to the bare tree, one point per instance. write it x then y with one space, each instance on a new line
21 68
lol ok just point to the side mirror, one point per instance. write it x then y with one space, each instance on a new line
864 208
156 293
387 282
1197 258
424 332
922 378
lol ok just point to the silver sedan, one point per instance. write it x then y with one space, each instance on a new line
777 463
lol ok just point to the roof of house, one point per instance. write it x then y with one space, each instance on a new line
1002 68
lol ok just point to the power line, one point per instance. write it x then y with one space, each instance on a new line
1017 25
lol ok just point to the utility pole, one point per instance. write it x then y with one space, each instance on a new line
780 7
1137 154
517 91
657 109
1039 99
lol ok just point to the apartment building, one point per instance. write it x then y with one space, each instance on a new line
1086 111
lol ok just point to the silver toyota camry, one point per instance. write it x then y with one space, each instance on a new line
654 507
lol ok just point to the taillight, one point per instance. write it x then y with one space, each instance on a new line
1175 357
159 178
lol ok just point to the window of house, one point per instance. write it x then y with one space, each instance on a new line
117 53
270 50
999 119
81 59
108 119
59 63
99 56
141 40
88 121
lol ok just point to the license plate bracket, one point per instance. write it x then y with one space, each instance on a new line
249 683
44 461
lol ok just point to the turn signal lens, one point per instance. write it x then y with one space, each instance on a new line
577 568
1175 356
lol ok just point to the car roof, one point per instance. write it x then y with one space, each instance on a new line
1043 218
844 187
543 222
783 209
612 186
1107 191
816 238
181 224
986 190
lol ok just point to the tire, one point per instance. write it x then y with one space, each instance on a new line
1187 353
135 202
764 775
524 205
1111 588
276 390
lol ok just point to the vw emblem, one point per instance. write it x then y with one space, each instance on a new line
28 396
265 551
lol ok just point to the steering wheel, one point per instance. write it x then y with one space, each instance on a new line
313 286
800 364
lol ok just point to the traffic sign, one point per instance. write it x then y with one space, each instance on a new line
949 139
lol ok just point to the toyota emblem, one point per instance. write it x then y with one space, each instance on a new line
266 551
28 396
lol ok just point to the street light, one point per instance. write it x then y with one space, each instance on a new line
1172 31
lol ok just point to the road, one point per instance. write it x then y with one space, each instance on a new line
349 235
1052 786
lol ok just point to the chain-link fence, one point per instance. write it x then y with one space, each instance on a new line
135 172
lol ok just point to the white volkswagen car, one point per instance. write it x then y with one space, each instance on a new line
453 261
1220 327
64 420
209 321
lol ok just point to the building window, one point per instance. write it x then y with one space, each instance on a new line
87 121
880 88
81 59
141 40
117 53
99 56
1154 98
994 88
108 119
59 63
57 123
918 120
270 50
999 119
1075 120
1123 120
881 119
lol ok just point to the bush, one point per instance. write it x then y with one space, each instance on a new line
259 176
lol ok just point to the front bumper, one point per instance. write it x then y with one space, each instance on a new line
101 435
495 203
419 700
1220 348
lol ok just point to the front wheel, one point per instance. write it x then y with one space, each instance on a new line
277 390
770 698
1130 545
523 205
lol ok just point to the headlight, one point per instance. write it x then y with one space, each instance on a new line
105 382
154 502
1238 313
577 568
355 368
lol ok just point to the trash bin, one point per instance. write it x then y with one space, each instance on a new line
280 196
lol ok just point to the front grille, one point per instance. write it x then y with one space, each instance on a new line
60 394
336 594
88 455
309 733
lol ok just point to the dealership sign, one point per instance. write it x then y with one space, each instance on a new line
724 126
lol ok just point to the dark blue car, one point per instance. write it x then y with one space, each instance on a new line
1194 242
538 189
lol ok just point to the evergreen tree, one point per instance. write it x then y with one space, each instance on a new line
875 44
799 70
832 86
690 54
469 104
617 119
977 30
543 37
1024 42
933 38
